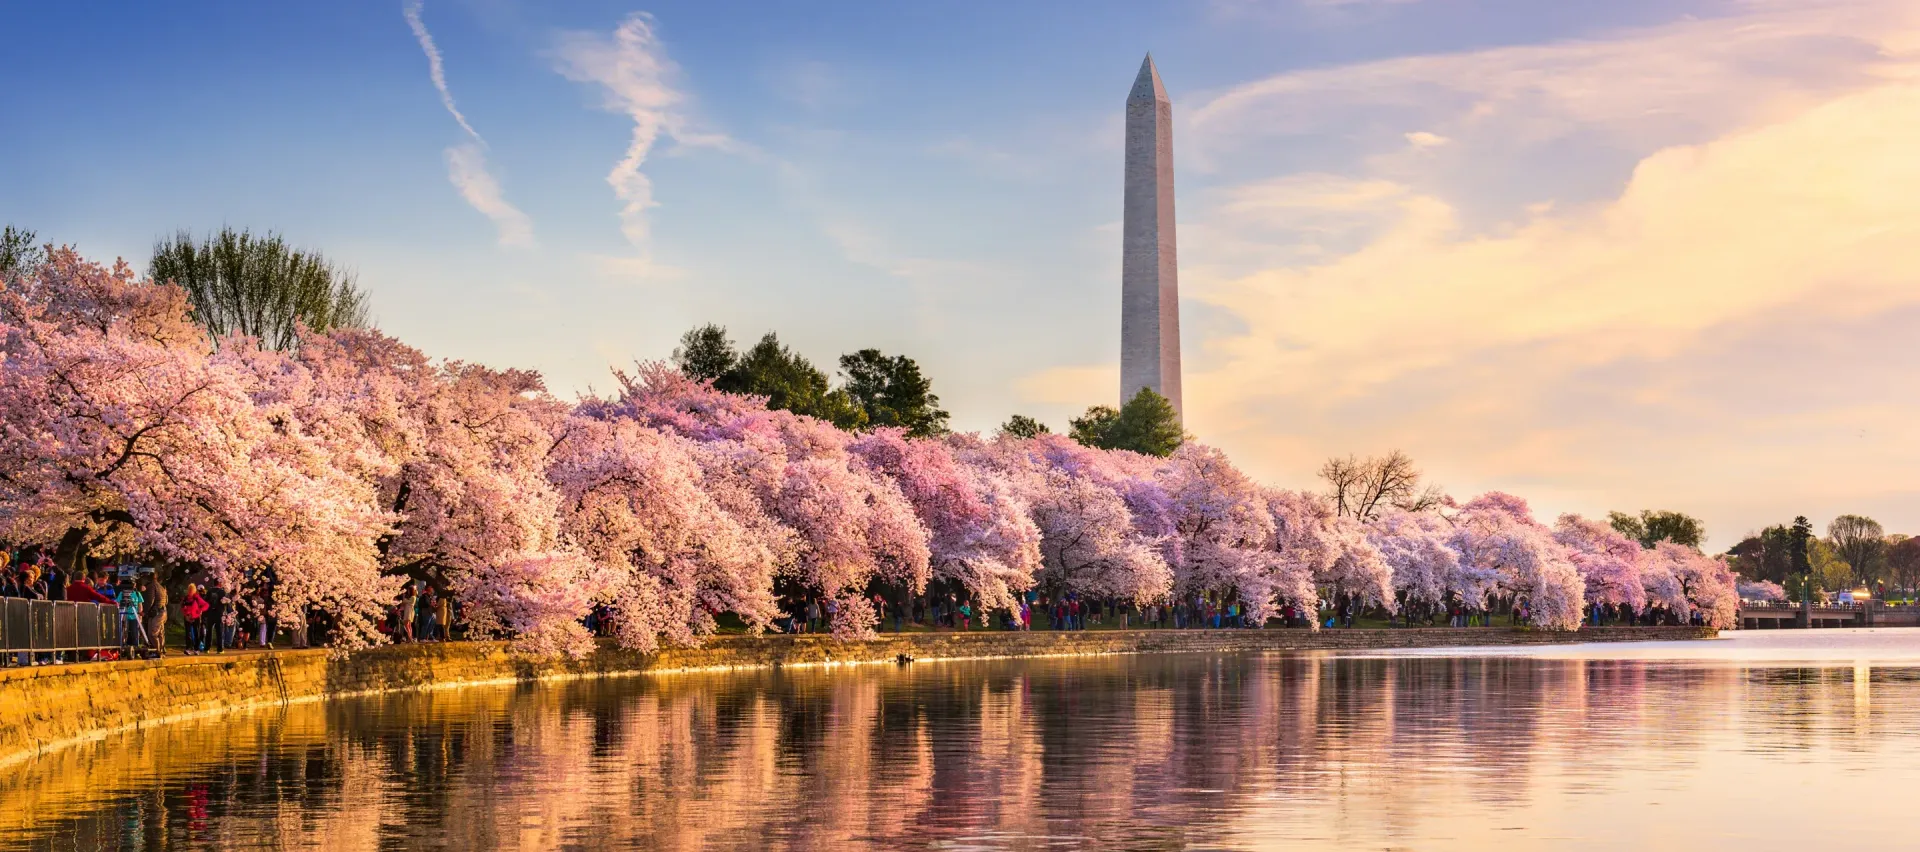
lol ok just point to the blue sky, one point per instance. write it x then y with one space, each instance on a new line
1567 249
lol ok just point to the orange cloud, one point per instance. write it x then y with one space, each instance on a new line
1718 334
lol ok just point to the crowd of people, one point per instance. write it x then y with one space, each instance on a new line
1071 612
213 619
420 614
139 598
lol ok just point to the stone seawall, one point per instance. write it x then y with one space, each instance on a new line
49 707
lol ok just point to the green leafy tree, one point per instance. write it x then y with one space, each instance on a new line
1767 555
1146 424
705 353
891 391
20 252
1653 526
1830 570
1022 426
1903 562
259 286
1861 543
880 390
790 382
1094 428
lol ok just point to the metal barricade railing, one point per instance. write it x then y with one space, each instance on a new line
48 626
66 624
86 626
19 624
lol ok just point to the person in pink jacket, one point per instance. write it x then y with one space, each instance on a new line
195 607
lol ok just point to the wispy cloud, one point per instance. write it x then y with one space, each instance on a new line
1689 300
467 162
467 169
1639 88
631 67
436 67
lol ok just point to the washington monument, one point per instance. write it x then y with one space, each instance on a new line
1149 267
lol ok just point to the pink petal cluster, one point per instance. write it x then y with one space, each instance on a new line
1609 561
319 482
1496 531
1706 583
123 428
1103 528
1760 590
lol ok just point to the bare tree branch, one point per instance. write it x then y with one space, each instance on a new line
1361 488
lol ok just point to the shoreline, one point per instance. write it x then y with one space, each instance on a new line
44 709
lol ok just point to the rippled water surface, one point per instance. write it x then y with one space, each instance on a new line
1769 740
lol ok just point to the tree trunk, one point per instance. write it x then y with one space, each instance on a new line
71 554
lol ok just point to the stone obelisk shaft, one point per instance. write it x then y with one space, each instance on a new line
1149 268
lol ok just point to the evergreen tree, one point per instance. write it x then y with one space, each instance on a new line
705 353
891 391
1022 426
1147 424
1801 533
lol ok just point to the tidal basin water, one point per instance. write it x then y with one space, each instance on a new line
1763 740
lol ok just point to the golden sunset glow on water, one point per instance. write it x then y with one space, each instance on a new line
1761 741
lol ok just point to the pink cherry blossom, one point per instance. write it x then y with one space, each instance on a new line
119 427
979 532
1691 581
1092 541
321 480
1608 561
668 554
1225 533
1418 549
851 525
1760 590
1497 531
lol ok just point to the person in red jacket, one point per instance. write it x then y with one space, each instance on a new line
81 590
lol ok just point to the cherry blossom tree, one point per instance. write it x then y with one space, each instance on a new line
1760 590
458 455
1705 583
1664 590
979 532
1427 570
668 554
1359 572
119 430
1497 531
851 526
1301 549
1094 539
1608 561
1225 532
